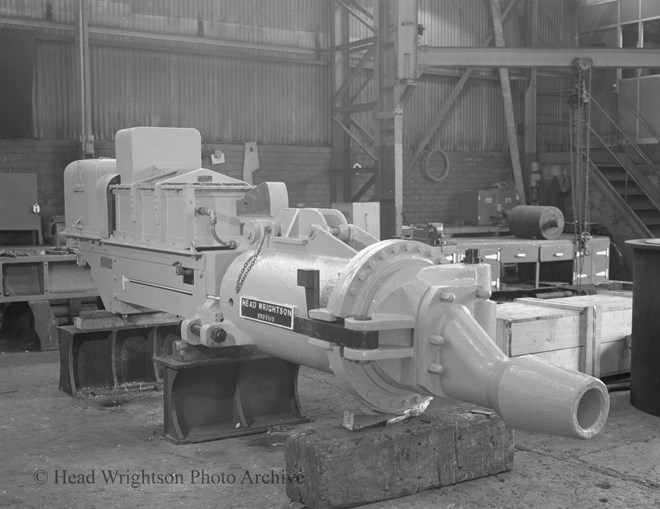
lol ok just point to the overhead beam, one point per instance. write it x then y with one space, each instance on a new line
446 56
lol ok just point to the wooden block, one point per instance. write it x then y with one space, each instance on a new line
93 320
332 467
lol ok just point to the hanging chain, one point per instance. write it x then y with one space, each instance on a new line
580 104
249 263
587 155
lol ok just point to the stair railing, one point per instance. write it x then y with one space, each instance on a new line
642 180
642 120
630 142
638 228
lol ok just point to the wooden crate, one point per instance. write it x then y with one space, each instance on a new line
588 333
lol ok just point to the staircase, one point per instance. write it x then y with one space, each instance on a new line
628 177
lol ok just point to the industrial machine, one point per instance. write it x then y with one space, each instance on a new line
263 288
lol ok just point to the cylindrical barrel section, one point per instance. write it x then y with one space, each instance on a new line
645 355
535 222
272 279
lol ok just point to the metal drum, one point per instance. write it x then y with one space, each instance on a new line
534 222
645 355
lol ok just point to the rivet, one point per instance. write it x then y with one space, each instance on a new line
371 264
369 394
436 368
352 290
361 276
396 249
409 247
437 340
383 254
447 297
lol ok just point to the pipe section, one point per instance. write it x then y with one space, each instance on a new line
529 393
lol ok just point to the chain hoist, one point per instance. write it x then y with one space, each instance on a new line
249 263
580 127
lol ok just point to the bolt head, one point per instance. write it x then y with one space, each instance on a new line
447 297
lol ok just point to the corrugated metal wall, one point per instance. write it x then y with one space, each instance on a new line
283 102
169 16
475 122
54 111
227 99
553 113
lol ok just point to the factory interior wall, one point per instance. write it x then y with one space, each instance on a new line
303 169
46 159
425 200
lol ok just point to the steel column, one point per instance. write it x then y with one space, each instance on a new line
395 71
529 105
340 182
511 128
84 80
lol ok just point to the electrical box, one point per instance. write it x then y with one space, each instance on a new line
19 210
366 215
485 207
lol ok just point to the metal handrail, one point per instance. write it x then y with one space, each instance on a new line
639 178
631 142
623 208
644 122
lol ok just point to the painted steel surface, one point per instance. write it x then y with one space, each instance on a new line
428 325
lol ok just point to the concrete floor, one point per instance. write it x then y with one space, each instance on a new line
44 432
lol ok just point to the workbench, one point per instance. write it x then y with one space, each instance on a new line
531 263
